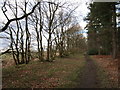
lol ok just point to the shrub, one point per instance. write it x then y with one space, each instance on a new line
92 52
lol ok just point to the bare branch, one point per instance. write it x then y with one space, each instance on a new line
25 15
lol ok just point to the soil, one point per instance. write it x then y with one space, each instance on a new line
119 71
88 79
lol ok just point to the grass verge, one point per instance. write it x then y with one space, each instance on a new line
63 72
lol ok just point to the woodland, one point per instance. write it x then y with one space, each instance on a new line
47 48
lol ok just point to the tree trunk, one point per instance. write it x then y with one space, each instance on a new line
114 33
48 50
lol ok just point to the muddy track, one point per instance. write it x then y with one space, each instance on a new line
88 78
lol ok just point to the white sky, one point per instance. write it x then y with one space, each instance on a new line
80 13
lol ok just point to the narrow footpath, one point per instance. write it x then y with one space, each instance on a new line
88 79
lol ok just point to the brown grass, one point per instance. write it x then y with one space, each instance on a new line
60 73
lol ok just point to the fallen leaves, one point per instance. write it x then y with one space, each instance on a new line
110 66
42 75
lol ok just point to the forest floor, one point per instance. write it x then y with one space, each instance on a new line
75 71
107 70
100 71
119 71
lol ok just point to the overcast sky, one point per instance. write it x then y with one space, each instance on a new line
80 13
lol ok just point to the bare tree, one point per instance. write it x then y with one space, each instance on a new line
14 41
50 15
14 19
75 40
17 39
37 17
28 40
65 20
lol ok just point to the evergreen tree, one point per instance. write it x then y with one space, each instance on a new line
102 31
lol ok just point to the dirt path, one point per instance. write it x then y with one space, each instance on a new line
88 79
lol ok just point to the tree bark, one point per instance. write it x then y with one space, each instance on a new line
114 38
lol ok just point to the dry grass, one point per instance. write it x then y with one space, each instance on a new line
7 60
60 73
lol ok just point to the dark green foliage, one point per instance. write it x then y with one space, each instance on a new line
96 52
101 28
92 52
